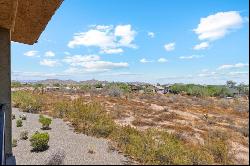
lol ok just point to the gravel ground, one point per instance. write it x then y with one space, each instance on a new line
64 144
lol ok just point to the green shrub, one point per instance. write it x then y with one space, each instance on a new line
158 147
16 84
90 118
39 141
45 122
14 143
61 109
19 123
24 135
27 101
216 144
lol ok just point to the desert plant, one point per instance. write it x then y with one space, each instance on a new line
216 144
14 143
19 123
27 101
91 119
23 117
56 158
39 141
13 116
24 135
45 122
115 92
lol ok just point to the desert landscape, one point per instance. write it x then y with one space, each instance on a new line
152 124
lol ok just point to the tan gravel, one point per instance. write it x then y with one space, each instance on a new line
65 145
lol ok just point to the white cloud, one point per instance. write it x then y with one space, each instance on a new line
126 35
103 27
91 63
201 46
231 66
208 74
49 54
112 51
49 62
162 60
109 39
36 74
151 34
169 46
218 25
77 60
237 73
191 57
31 53
144 60
93 38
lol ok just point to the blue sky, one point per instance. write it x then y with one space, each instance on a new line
163 41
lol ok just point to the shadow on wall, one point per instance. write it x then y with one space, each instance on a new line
11 160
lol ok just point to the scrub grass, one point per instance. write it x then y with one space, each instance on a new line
147 147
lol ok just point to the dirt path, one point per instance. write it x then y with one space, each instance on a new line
65 144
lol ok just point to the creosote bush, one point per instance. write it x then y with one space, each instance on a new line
24 135
147 147
90 118
45 122
27 101
39 141
19 123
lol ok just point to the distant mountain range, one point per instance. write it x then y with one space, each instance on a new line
72 82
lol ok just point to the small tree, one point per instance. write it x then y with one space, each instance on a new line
45 122
231 84
39 141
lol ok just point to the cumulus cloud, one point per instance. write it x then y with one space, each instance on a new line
77 60
162 60
201 46
49 54
144 60
169 46
49 62
191 57
216 26
231 66
126 35
31 53
109 39
91 63
151 34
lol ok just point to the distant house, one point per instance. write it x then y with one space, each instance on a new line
163 89
52 88
135 88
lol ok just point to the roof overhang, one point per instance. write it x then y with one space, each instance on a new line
27 19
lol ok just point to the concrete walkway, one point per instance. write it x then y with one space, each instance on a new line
64 146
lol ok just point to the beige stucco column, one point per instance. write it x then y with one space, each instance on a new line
5 84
